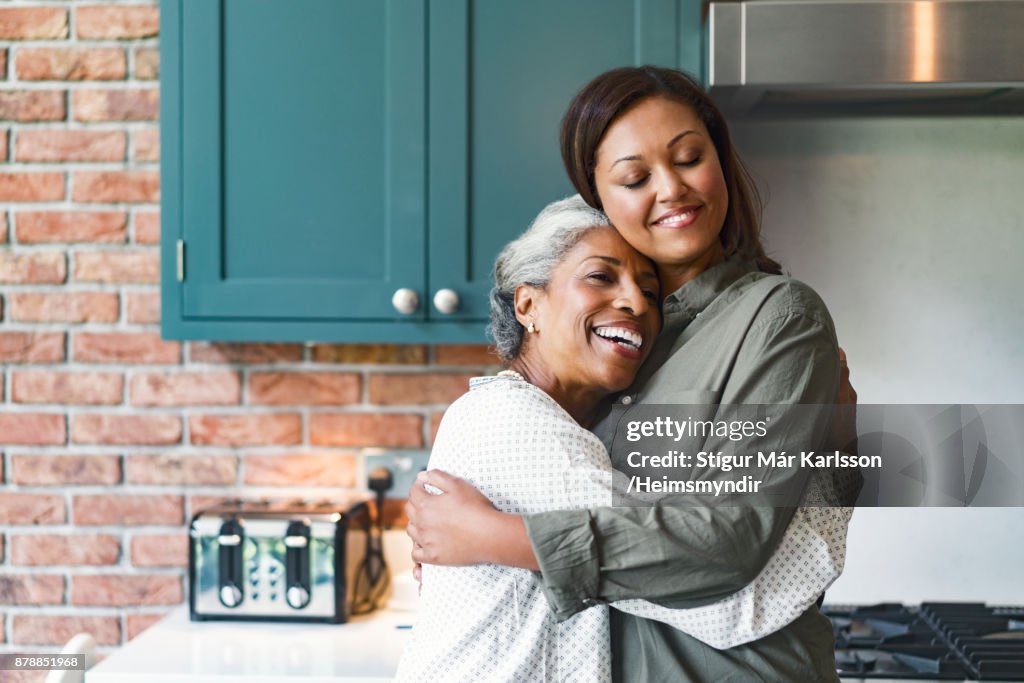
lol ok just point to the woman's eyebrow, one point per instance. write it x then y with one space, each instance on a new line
632 157
678 138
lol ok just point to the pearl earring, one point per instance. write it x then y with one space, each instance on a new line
531 328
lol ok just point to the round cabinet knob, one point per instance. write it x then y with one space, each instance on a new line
405 301
230 595
446 300
297 597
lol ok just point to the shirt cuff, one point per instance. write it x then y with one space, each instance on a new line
566 551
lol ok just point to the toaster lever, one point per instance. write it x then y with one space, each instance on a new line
230 563
296 564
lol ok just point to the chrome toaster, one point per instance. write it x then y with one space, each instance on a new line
290 561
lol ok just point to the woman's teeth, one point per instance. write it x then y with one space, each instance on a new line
621 336
675 220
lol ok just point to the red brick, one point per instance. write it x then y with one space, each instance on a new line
65 307
425 388
4 137
33 429
31 187
124 347
57 629
31 347
31 508
147 64
54 549
365 429
137 623
67 387
185 388
370 353
160 550
465 354
71 64
27 23
146 145
116 105
307 388
33 105
116 186
65 470
195 469
127 267
138 510
36 267
147 227
205 352
147 429
301 469
71 145
435 423
143 307
31 589
245 430
71 226
126 590
118 22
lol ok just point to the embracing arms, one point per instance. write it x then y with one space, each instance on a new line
678 556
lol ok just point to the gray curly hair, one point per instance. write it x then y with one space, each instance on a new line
530 260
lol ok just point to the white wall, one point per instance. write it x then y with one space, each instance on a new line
912 232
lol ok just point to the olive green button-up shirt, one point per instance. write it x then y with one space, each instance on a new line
733 335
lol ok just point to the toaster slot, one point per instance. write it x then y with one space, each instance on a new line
230 544
296 563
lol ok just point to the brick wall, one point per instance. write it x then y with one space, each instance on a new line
111 437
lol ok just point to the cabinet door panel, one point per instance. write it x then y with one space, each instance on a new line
303 157
501 76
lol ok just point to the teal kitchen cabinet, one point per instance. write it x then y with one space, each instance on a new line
328 162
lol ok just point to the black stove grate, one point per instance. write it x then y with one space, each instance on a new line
944 641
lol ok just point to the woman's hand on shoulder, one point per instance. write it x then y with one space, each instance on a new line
446 527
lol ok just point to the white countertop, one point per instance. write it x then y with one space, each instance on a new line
177 650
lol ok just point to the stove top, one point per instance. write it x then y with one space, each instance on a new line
937 641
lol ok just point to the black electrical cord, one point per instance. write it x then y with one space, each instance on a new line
373 570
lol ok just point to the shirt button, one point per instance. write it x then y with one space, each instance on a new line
627 399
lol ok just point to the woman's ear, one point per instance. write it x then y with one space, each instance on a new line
526 300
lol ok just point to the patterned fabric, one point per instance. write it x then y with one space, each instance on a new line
488 622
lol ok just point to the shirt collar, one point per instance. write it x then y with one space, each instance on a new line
697 294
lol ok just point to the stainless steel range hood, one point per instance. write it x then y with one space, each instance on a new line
793 57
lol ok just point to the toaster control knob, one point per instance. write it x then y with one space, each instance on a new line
230 595
297 597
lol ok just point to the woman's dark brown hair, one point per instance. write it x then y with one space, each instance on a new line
615 92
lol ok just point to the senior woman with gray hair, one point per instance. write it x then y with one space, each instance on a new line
574 313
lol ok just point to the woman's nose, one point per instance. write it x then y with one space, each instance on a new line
631 298
671 186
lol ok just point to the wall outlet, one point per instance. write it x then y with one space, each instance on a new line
404 466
